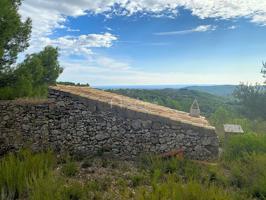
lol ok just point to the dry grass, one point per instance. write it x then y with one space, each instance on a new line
27 101
133 104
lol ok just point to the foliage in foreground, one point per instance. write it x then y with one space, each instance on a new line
241 146
18 172
172 189
239 175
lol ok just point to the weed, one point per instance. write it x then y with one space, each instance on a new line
70 168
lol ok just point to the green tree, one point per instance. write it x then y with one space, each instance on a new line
51 67
32 77
14 34
263 71
252 99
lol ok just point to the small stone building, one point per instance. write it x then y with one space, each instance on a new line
232 129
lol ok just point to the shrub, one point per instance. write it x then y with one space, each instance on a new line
70 168
19 171
32 77
87 163
192 190
183 168
138 179
249 174
238 146
46 188
73 191
101 184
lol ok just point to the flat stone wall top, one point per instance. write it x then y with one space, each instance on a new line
123 102
26 102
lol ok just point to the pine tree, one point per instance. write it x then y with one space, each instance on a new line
263 71
14 34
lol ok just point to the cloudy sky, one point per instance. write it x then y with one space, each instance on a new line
136 42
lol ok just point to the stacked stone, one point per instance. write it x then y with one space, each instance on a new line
84 126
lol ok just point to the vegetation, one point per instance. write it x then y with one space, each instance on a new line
73 84
263 71
18 172
247 108
218 90
14 34
252 100
238 175
32 77
180 99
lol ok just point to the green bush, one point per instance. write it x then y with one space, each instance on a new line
49 187
183 168
139 179
238 146
249 174
192 190
19 171
70 168
74 191
32 77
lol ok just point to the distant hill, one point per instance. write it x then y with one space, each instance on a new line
180 99
219 90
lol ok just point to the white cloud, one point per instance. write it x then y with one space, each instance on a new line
112 64
232 27
201 28
47 15
72 30
42 10
75 45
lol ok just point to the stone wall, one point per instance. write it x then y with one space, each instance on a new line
84 126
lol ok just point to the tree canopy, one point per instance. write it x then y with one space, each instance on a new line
32 77
14 33
263 71
252 99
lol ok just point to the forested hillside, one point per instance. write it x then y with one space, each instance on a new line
219 110
180 99
219 90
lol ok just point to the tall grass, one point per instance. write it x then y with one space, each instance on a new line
192 190
183 168
19 171
239 146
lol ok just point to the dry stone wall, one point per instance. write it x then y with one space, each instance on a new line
83 126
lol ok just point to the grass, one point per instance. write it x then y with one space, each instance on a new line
70 168
18 171
192 190
240 146
239 175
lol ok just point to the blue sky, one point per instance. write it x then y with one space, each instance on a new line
151 42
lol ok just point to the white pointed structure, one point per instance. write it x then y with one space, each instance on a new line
194 109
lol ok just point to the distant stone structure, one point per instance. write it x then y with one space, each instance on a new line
81 124
232 129
194 109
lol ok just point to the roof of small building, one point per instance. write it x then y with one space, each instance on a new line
233 128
